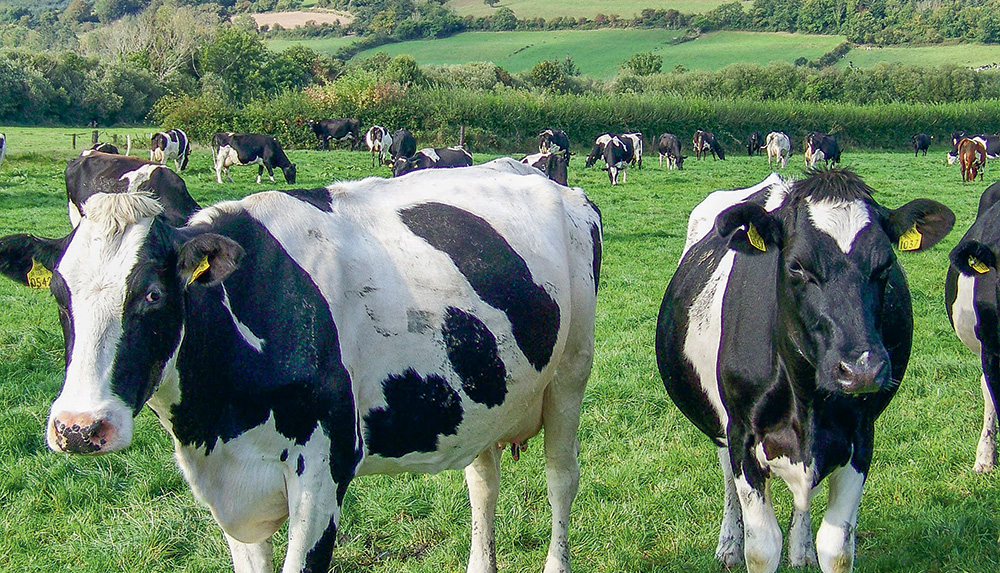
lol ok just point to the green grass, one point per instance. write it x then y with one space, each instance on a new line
651 494
929 55
599 53
578 8
330 45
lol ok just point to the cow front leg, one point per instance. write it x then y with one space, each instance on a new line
761 533
730 548
260 173
835 538
251 557
483 479
986 451
313 515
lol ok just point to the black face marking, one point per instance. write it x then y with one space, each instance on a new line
300 465
318 197
472 350
495 271
417 411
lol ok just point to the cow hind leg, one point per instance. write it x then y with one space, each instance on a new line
251 557
313 515
986 451
483 479
730 548
836 536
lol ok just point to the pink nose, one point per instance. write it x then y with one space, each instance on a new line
82 433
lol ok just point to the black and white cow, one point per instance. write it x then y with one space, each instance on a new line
618 153
635 139
704 142
250 149
104 147
410 325
553 141
172 144
597 151
348 128
669 145
555 166
920 142
779 147
3 147
821 147
378 140
432 158
755 142
97 172
403 145
782 336
971 298
990 142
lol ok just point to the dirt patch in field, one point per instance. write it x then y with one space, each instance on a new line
300 17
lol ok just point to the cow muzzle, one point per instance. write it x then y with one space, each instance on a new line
81 433
863 376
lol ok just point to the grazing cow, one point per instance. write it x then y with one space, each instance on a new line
971 299
555 166
248 149
990 142
172 144
821 147
378 140
779 147
668 145
782 336
553 141
617 155
104 147
348 128
403 145
432 158
921 142
98 172
597 151
635 139
754 143
410 325
704 143
972 157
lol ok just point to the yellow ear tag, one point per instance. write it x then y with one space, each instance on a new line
755 239
910 240
199 270
978 266
39 276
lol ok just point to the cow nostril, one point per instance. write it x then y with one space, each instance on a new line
82 437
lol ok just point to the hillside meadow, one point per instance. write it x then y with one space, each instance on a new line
651 490
578 8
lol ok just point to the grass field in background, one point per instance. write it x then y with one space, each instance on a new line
929 55
651 490
577 8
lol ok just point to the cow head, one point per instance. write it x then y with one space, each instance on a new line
404 165
289 173
836 273
119 280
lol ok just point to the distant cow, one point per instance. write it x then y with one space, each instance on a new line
3 147
971 298
553 141
779 147
921 142
249 149
403 145
754 143
104 147
618 153
348 128
431 158
990 142
98 172
635 138
668 145
704 142
378 140
597 151
972 158
172 144
555 166
782 336
821 147
291 341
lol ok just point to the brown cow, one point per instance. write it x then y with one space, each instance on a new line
972 157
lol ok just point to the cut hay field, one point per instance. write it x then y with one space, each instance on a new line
579 8
651 490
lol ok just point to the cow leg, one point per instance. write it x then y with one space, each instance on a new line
218 173
801 550
761 533
483 479
270 173
986 451
313 515
730 548
835 538
251 557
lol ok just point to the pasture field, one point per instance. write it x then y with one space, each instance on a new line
599 53
928 55
651 492
328 45
579 8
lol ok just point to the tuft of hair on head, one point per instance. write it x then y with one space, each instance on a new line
831 183
114 212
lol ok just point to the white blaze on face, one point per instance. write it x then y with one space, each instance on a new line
840 219
95 267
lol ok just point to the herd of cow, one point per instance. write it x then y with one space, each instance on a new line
416 323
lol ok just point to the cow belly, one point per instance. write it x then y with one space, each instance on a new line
964 313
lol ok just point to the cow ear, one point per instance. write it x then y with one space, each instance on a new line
919 224
750 228
973 258
208 259
30 260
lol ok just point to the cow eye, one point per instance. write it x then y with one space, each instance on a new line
799 273
153 296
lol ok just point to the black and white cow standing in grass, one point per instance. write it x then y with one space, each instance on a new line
172 144
782 336
597 151
554 141
403 145
378 140
340 129
410 325
669 145
971 298
230 149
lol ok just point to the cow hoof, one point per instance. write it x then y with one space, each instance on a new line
983 467
806 558
729 552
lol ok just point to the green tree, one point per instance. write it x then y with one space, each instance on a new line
644 63
504 20
548 75
236 56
